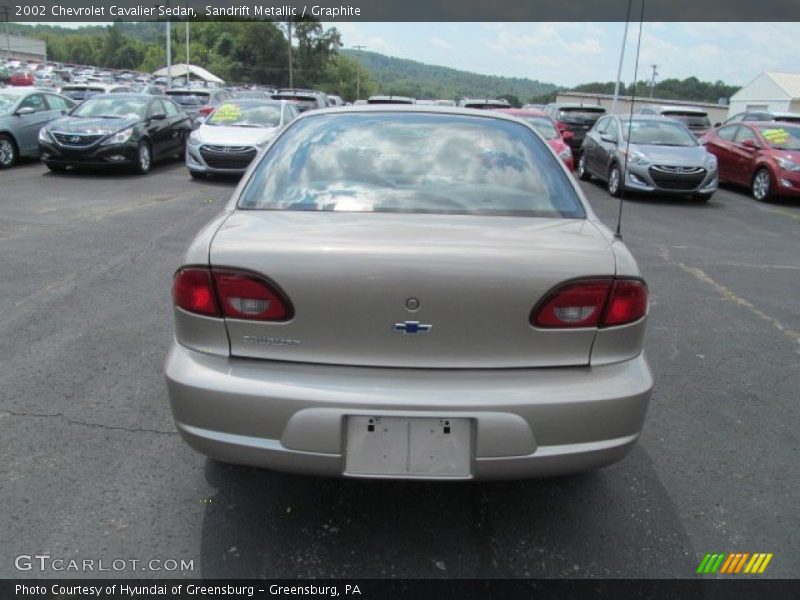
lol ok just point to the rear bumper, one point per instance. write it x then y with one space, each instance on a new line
291 417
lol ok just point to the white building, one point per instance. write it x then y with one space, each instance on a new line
771 90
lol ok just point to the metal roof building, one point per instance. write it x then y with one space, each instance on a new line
22 48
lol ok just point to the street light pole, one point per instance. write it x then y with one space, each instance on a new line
358 73
621 59
291 67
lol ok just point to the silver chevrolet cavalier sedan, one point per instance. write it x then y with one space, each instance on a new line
409 292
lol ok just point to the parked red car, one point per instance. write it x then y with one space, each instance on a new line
545 126
764 156
22 77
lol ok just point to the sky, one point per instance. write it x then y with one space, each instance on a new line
571 53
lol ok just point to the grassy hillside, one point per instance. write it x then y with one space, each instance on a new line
399 76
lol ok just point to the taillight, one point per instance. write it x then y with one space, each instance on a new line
206 110
192 291
247 296
229 293
575 304
592 303
628 302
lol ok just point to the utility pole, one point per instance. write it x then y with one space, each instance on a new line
358 73
8 38
653 81
169 51
291 68
187 48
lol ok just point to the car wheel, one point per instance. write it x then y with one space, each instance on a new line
615 181
197 175
56 168
583 172
144 158
762 185
8 152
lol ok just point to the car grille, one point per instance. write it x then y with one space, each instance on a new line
677 178
76 140
228 157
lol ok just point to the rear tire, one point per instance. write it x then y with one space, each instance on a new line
615 181
8 152
583 172
761 186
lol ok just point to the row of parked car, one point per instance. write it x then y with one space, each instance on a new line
663 150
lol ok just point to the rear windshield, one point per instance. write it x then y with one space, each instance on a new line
543 125
689 119
303 103
581 114
190 98
411 163
81 88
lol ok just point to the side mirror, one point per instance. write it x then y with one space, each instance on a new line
717 124
158 117
749 144
25 110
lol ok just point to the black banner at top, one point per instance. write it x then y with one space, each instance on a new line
100 11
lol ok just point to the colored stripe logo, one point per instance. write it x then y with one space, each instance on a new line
738 563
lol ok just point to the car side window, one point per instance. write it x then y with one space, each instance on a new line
36 102
727 133
745 133
601 125
57 103
157 107
169 108
612 131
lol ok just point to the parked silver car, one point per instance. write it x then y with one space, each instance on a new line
231 137
409 292
662 157
23 112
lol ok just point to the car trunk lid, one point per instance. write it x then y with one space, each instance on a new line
351 278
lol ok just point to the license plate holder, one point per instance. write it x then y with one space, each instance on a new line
408 446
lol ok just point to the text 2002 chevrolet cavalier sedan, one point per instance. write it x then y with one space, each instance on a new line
409 292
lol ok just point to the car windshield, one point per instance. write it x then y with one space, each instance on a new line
781 138
411 163
544 126
238 115
658 133
113 108
190 98
690 119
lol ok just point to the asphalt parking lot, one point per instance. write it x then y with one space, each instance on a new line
92 468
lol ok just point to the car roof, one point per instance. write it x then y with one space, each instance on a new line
18 91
